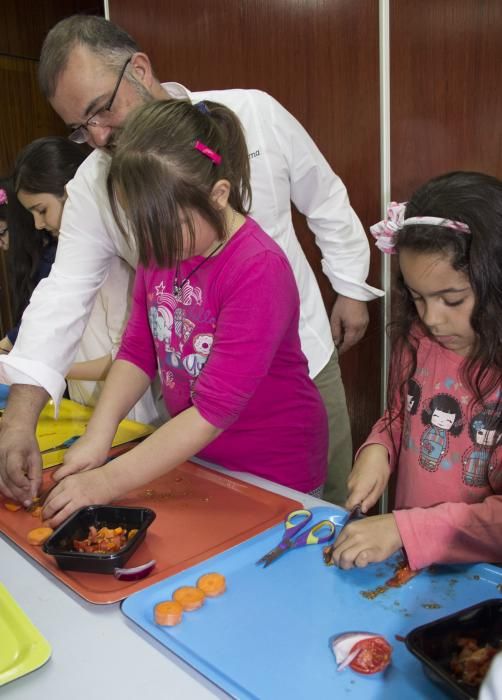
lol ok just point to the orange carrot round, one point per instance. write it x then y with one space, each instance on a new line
168 613
212 584
39 535
189 597
13 507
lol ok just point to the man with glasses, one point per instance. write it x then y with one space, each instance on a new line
99 118
94 74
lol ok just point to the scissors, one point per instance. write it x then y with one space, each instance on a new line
292 527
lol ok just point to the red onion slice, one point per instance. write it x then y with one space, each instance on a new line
135 573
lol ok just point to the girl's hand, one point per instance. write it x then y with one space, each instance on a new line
367 541
86 453
368 478
74 492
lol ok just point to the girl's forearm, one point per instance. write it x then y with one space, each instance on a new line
124 386
91 370
176 441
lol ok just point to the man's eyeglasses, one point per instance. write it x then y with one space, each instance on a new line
4 232
99 118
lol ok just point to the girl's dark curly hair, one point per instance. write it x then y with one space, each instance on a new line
476 200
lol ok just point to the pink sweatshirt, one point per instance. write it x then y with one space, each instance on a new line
229 345
448 491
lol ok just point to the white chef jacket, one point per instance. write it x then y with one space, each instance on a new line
286 166
491 687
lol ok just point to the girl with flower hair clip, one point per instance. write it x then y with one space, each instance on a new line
447 337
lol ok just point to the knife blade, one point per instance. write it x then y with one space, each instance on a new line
62 446
354 514
327 552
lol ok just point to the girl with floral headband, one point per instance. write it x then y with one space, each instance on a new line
447 338
216 313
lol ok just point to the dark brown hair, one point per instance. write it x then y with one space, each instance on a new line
160 177
43 166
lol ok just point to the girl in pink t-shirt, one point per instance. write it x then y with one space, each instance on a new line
442 431
215 313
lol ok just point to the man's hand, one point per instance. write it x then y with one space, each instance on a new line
349 320
367 541
20 460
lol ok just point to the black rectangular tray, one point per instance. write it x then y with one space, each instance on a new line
436 643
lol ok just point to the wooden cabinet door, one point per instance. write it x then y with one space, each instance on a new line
319 58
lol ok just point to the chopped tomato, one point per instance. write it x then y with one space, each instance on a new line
104 540
374 655
402 576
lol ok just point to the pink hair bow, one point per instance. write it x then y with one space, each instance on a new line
3 196
385 231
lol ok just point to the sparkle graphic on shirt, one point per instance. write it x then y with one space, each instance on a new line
163 296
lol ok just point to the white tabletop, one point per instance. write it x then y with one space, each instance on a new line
96 651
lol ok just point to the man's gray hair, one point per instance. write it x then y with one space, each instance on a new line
102 37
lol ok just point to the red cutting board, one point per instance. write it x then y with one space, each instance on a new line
200 513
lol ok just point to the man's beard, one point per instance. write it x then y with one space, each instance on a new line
145 97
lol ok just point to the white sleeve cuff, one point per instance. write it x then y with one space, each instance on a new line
16 370
348 287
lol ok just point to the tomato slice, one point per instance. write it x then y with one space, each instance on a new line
373 657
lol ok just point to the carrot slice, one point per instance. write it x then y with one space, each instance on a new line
168 613
189 597
39 535
36 512
12 506
212 584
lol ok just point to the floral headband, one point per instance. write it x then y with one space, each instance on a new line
3 196
385 231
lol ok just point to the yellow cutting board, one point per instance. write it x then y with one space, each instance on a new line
22 647
73 419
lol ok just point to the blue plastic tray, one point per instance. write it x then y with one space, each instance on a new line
267 637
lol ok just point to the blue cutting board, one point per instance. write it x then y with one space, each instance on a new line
267 637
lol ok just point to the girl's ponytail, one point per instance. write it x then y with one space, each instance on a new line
235 160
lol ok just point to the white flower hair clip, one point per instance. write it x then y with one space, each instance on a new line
385 231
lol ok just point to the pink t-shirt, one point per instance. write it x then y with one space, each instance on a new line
448 489
228 344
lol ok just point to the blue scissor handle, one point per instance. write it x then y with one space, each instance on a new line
312 537
291 527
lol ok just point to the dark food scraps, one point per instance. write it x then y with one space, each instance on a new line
470 664
327 554
104 541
